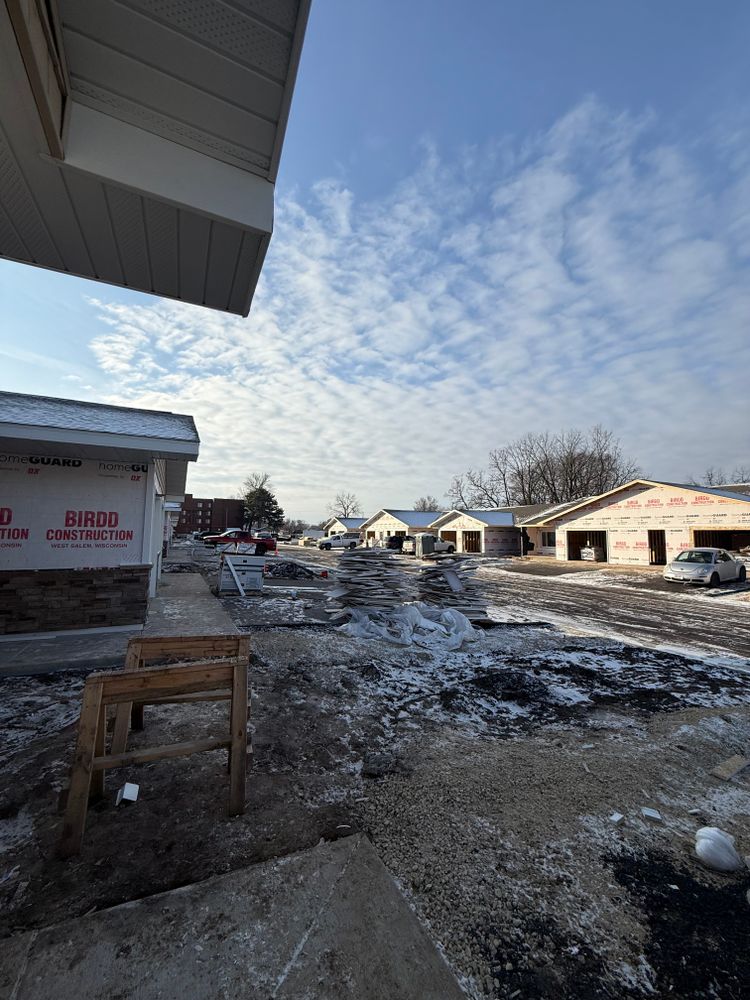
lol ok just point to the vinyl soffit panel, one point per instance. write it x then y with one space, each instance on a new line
203 238
210 74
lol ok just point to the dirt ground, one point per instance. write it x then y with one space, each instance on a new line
485 779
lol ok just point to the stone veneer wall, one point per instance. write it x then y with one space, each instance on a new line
52 600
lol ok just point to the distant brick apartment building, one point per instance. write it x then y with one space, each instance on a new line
205 514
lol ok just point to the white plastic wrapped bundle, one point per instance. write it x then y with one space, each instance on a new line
412 623
716 849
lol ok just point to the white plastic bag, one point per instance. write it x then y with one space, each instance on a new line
716 849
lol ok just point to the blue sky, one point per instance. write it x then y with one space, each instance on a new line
491 218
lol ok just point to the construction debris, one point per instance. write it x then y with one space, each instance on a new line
416 623
731 767
449 582
716 849
653 815
370 579
128 793
617 818
289 569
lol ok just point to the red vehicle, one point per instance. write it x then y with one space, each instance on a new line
243 537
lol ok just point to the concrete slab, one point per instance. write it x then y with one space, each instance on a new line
184 605
324 924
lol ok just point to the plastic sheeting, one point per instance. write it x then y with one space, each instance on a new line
716 849
413 624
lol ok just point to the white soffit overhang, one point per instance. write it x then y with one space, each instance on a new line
23 440
140 139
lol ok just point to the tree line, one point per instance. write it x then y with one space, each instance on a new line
536 468
546 468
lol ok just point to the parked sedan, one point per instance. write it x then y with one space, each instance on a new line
709 566
243 538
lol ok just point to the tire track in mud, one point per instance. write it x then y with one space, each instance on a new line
651 617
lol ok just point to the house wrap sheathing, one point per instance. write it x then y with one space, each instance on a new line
491 532
646 522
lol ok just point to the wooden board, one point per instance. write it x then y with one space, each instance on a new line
165 752
80 781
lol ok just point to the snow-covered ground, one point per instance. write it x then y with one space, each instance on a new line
485 777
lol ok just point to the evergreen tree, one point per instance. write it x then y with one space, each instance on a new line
262 509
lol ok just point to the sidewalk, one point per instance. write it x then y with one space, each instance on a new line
184 605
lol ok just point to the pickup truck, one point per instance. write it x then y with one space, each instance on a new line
410 545
243 537
339 542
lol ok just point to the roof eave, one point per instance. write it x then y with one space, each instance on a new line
100 441
303 13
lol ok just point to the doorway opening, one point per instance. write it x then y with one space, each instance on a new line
472 541
657 548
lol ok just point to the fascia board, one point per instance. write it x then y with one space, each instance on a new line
118 153
446 518
303 14
106 441
374 517
554 515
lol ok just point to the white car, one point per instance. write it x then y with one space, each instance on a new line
709 566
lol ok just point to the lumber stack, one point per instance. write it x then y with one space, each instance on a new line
448 582
368 579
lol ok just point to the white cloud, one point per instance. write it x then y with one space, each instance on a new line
597 273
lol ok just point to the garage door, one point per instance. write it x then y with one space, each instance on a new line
578 540
727 539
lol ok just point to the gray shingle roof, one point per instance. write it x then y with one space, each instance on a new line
543 511
415 518
76 415
493 518
733 491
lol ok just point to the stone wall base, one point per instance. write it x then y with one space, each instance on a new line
52 600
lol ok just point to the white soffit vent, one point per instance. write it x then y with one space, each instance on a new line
173 115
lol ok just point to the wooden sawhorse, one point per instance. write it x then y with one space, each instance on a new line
153 685
176 648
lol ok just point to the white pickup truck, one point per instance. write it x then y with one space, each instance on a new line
410 544
339 542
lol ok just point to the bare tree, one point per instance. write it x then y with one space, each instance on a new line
256 481
546 468
718 477
294 526
459 492
429 504
345 505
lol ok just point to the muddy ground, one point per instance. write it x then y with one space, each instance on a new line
485 779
